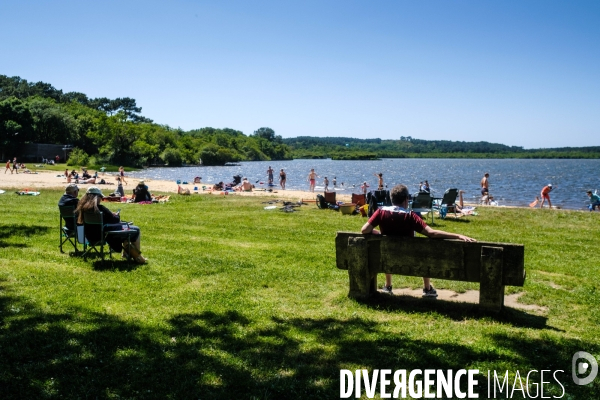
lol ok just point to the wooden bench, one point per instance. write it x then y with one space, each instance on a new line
493 265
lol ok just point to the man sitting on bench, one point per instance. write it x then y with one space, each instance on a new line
396 220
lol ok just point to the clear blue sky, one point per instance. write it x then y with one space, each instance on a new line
524 73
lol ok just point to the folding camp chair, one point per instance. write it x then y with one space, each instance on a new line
449 201
95 221
378 198
359 199
67 224
423 203
330 197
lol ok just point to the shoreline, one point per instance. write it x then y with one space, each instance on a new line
56 180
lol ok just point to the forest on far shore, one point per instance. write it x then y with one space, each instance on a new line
113 131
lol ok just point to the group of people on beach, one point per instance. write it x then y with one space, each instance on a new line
15 166
85 177
282 177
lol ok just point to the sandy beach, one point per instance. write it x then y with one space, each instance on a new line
56 180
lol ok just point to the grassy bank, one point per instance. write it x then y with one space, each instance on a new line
239 302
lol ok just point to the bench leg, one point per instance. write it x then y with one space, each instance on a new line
362 282
491 289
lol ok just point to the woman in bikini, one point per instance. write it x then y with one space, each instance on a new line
122 174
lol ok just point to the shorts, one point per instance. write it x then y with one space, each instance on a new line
312 181
484 191
546 196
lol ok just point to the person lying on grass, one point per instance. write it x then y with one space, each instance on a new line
396 220
90 203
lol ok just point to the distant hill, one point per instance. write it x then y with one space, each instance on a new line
343 148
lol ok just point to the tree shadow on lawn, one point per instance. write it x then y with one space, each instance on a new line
228 355
20 231
456 311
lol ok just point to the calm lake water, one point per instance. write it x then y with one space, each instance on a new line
512 182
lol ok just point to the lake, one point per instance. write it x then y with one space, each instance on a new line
513 182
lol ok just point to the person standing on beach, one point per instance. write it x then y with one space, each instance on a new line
7 167
545 194
485 188
334 182
122 174
270 175
326 183
380 183
14 168
282 178
312 179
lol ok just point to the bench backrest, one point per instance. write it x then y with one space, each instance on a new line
434 258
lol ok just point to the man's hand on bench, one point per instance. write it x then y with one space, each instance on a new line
436 234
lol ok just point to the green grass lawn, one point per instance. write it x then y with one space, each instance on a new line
240 302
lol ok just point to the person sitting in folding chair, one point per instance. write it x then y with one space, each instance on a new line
67 205
90 203
70 197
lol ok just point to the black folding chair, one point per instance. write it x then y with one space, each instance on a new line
67 224
95 221
449 200
423 203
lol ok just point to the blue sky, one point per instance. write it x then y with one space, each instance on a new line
523 73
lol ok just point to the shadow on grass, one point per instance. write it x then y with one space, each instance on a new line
20 231
456 311
228 355
461 220
113 264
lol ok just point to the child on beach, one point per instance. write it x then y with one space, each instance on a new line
364 188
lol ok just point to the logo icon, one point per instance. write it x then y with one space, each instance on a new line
579 367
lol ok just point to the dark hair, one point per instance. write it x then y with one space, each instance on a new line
589 192
399 194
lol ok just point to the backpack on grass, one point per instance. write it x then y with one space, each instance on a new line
321 203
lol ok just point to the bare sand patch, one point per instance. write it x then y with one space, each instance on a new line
56 180
472 297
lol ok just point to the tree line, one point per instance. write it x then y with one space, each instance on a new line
113 131
343 148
